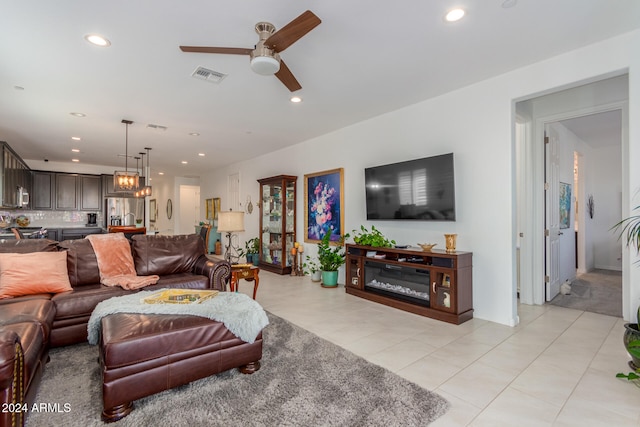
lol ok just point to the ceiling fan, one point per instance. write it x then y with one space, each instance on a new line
265 58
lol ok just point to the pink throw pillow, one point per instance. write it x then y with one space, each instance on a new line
33 273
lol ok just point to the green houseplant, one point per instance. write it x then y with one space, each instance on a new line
373 238
251 250
312 267
629 229
331 258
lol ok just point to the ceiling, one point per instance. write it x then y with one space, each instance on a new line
598 130
360 62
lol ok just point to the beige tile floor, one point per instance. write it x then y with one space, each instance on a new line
556 368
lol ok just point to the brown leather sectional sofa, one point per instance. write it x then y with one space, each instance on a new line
31 324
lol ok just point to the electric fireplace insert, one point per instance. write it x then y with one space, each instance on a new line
397 281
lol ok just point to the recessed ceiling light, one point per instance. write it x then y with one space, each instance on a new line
160 173
75 160
454 15
76 138
18 88
194 134
75 150
201 154
184 162
78 114
296 99
509 3
97 40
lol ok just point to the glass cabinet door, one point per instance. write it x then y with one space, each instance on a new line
443 290
277 222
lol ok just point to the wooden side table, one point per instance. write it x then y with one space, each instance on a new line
250 274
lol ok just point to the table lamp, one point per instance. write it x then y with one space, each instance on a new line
230 222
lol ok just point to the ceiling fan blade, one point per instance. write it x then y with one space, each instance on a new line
287 78
294 30
210 49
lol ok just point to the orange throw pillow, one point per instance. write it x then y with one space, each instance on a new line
33 273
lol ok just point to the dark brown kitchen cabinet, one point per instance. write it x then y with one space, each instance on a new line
107 186
66 191
43 190
14 173
78 233
66 186
90 192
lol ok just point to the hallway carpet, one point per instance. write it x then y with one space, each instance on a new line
598 291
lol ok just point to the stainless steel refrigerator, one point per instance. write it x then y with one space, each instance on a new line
123 211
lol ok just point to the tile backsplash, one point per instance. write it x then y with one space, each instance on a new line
55 218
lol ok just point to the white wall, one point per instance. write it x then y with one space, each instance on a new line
607 195
475 123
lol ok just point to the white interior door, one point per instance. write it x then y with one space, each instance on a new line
189 210
552 213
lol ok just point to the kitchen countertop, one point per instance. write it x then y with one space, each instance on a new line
126 229
6 233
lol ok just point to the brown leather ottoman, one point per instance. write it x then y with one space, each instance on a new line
143 354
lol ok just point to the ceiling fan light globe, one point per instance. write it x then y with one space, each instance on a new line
265 65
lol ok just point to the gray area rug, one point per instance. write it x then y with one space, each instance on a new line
304 381
598 291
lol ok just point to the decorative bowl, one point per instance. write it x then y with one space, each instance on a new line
22 221
427 246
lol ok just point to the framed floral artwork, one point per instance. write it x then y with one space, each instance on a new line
323 205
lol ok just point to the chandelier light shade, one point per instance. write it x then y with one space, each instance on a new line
125 181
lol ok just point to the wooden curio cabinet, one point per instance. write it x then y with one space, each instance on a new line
277 222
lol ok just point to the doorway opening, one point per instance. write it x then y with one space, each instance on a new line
590 167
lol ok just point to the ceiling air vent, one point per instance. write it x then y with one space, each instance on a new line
208 75
157 127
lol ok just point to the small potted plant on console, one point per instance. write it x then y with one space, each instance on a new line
331 258
372 238
251 251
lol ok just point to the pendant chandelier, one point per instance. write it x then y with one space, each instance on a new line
146 190
125 181
138 192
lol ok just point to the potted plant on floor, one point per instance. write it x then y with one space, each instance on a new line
629 229
331 259
631 339
312 268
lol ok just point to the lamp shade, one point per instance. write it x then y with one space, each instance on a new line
230 221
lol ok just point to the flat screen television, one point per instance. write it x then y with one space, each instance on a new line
422 189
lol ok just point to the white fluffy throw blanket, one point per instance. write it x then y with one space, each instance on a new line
241 315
